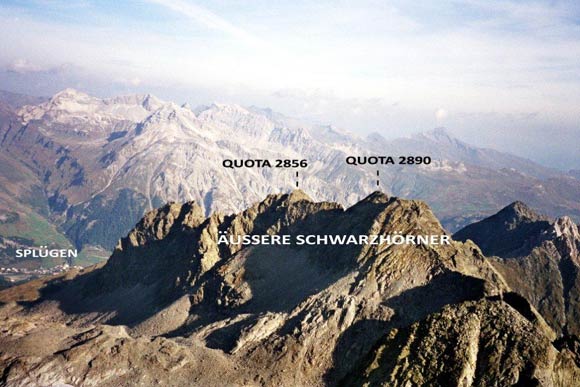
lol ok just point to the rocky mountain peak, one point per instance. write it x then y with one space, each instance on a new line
292 213
566 226
440 134
225 111
376 197
539 258
158 223
71 100
78 112
375 137
151 103
516 213
298 195
513 230
66 102
69 94
568 241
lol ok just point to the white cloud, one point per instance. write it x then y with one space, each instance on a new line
134 81
23 66
208 18
440 115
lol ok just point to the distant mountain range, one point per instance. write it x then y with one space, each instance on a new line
173 306
77 170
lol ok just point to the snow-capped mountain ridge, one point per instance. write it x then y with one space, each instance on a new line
106 159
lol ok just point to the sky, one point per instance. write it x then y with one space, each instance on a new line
500 74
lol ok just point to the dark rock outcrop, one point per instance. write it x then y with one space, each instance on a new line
538 257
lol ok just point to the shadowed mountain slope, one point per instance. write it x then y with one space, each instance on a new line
538 257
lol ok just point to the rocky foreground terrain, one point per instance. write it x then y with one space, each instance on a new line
173 307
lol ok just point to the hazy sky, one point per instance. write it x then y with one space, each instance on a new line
504 74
